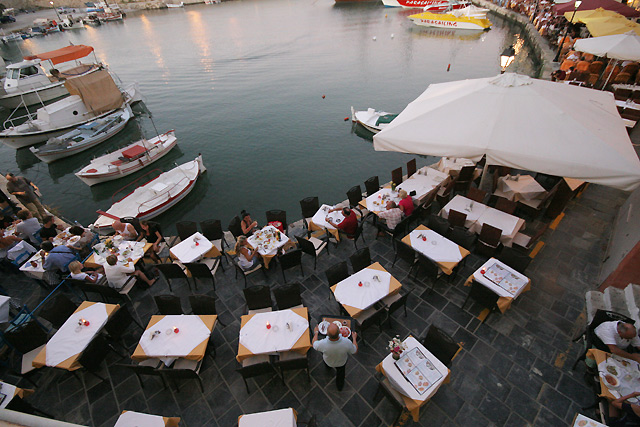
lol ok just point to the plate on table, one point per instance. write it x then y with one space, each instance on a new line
338 323
610 381
322 327
345 331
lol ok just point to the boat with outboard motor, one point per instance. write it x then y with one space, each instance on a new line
468 18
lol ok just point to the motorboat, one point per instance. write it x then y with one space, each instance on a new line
71 23
41 78
372 120
154 197
83 137
92 96
212 1
127 160
468 18
173 5
426 5
12 37
92 19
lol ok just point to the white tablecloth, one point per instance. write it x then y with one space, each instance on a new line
72 338
266 242
423 181
479 277
10 230
448 164
125 250
4 308
526 187
34 271
278 418
319 217
582 421
138 419
400 383
192 248
169 345
377 202
255 336
9 390
509 224
628 104
436 247
349 292
472 209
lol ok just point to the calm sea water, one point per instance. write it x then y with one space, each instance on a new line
242 82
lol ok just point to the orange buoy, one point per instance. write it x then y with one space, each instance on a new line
448 67
323 97
346 119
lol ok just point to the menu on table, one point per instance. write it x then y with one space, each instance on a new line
505 279
418 370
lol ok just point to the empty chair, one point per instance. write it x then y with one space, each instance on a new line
483 296
118 323
427 269
424 209
396 176
462 237
92 357
168 304
288 296
309 206
58 310
212 230
360 259
289 260
395 303
203 305
186 229
476 194
27 339
292 360
373 316
515 259
444 194
394 397
235 228
258 299
354 195
506 205
464 179
278 216
524 242
172 272
441 345
405 253
456 219
489 240
106 293
372 185
411 167
255 366
439 224
312 247
337 273
200 270
245 273
180 373
149 367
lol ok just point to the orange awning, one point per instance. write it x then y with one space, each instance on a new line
64 54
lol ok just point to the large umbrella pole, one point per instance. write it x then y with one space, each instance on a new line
484 174
610 73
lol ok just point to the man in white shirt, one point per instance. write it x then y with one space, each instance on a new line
619 336
117 275
335 350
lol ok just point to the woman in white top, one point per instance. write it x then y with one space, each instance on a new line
248 257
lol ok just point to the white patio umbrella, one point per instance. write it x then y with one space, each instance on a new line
625 47
519 122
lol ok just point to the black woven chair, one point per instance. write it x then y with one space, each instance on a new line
309 248
172 272
395 303
444 195
28 339
441 345
289 260
288 296
396 176
337 273
456 219
203 305
255 370
118 324
200 270
235 228
489 240
405 253
92 357
483 296
515 259
212 230
372 185
181 374
354 195
360 259
393 396
358 234
439 225
292 361
278 215
309 206
168 304
462 237
186 229
142 370
58 310
258 298
465 177
427 269
411 167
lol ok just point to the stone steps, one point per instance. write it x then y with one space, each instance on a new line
624 301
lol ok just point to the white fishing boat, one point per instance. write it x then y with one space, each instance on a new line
127 160
372 120
173 5
41 78
83 137
71 23
154 197
469 18
92 96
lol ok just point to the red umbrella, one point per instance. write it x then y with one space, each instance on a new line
594 4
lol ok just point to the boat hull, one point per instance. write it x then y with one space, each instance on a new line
428 19
33 97
93 179
426 5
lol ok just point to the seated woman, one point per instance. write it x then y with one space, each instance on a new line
49 228
119 274
630 415
248 257
248 225
75 267
406 203
151 233
86 237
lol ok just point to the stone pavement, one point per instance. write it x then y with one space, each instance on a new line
514 369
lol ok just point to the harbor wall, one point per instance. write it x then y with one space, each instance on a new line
125 5
537 43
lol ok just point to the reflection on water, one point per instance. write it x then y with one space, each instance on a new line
267 136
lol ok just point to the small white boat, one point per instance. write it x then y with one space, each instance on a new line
212 1
173 5
469 18
83 137
153 198
127 160
372 120
12 37
71 23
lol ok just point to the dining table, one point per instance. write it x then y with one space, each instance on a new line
172 337
126 251
319 220
268 241
66 346
453 165
442 251
194 248
618 375
363 289
9 391
469 207
413 394
140 419
286 417
273 332
520 187
501 279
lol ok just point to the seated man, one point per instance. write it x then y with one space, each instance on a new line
49 228
28 225
86 237
58 258
118 274
619 337
349 224
126 230
392 216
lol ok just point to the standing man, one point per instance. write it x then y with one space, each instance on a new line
25 191
335 350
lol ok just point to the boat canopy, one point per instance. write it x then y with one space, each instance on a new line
97 90
64 54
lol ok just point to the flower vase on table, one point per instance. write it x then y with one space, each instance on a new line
396 347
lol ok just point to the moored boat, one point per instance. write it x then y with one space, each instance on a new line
83 137
372 120
173 5
127 160
469 18
154 197
426 5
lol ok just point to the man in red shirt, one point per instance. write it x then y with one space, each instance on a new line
349 224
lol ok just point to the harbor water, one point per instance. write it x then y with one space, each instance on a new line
261 88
